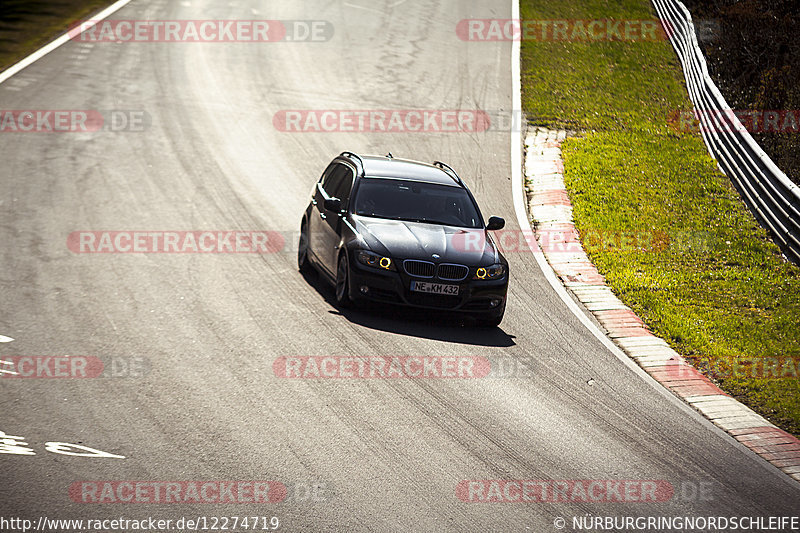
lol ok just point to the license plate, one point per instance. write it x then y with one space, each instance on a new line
434 288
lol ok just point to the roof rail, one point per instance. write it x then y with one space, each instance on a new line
449 170
354 156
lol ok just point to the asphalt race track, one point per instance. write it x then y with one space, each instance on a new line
384 454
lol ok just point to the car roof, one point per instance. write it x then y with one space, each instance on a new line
389 167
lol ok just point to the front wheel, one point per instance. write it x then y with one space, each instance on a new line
302 250
343 282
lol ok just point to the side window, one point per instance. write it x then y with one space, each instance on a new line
327 174
332 178
344 187
339 182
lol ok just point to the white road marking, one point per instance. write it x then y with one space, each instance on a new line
14 444
3 338
112 322
46 49
349 4
65 448
6 370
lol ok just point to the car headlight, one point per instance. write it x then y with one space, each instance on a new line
495 271
375 261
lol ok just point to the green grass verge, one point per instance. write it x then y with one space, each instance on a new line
27 25
720 292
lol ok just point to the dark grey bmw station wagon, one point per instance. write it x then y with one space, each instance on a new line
403 232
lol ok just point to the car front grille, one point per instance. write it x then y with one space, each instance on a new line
419 269
452 272
443 271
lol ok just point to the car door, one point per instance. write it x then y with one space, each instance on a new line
341 184
316 219
323 224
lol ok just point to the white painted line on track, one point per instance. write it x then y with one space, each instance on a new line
6 370
3 338
46 49
356 6
390 6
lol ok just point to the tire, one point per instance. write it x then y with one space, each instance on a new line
302 250
343 282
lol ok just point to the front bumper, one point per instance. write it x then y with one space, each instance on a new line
479 297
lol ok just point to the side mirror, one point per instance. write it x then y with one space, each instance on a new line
495 223
333 204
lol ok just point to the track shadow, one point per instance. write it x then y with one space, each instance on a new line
414 322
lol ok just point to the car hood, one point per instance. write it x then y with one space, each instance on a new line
416 240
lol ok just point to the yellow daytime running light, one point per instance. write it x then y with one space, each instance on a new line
385 262
481 273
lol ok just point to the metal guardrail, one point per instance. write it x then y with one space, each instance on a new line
770 195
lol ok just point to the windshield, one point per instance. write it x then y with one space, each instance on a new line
416 202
